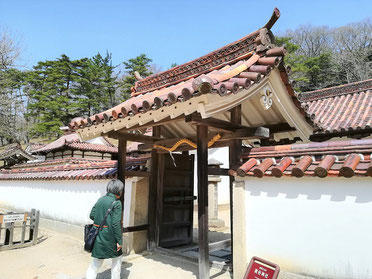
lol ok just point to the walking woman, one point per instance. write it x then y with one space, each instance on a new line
109 241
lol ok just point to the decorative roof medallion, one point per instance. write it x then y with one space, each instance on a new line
266 99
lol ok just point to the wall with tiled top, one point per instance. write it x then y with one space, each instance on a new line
315 226
58 200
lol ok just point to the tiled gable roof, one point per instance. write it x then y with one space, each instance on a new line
73 169
342 109
14 153
228 70
72 141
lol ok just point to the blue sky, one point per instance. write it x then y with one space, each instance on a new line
167 31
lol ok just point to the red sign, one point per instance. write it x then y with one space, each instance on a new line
261 269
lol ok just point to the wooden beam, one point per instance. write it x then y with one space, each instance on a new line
244 133
247 133
163 142
218 171
133 137
196 119
185 147
151 244
164 121
122 158
202 152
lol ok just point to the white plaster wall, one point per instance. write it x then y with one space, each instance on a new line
321 227
222 155
66 201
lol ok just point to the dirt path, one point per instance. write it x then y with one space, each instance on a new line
60 257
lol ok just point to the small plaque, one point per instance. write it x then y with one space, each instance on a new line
11 218
261 269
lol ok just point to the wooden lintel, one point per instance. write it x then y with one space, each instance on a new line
181 148
185 147
163 142
211 122
218 171
248 133
133 137
241 134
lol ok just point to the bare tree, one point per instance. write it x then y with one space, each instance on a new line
12 121
155 68
9 49
312 40
352 48
349 48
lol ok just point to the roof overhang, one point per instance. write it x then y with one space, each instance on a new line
279 108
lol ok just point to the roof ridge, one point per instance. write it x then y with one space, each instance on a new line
210 61
334 91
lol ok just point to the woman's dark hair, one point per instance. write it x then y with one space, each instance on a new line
115 186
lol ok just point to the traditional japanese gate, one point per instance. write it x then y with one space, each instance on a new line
239 92
10 223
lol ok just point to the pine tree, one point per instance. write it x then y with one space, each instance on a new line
138 64
310 73
50 89
96 86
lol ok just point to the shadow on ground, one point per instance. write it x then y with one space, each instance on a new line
124 272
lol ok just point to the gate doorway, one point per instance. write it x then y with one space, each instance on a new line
175 200
177 235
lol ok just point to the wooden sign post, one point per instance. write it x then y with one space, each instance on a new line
261 269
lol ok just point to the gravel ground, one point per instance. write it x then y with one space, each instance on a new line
61 257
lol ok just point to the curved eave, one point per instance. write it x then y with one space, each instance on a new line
283 110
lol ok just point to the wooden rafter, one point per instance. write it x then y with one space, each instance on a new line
154 123
133 137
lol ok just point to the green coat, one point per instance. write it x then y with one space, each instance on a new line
105 244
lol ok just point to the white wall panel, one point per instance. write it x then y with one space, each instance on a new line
310 225
61 200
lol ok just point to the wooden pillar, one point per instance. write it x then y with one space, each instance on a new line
122 158
202 151
153 189
159 196
235 149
